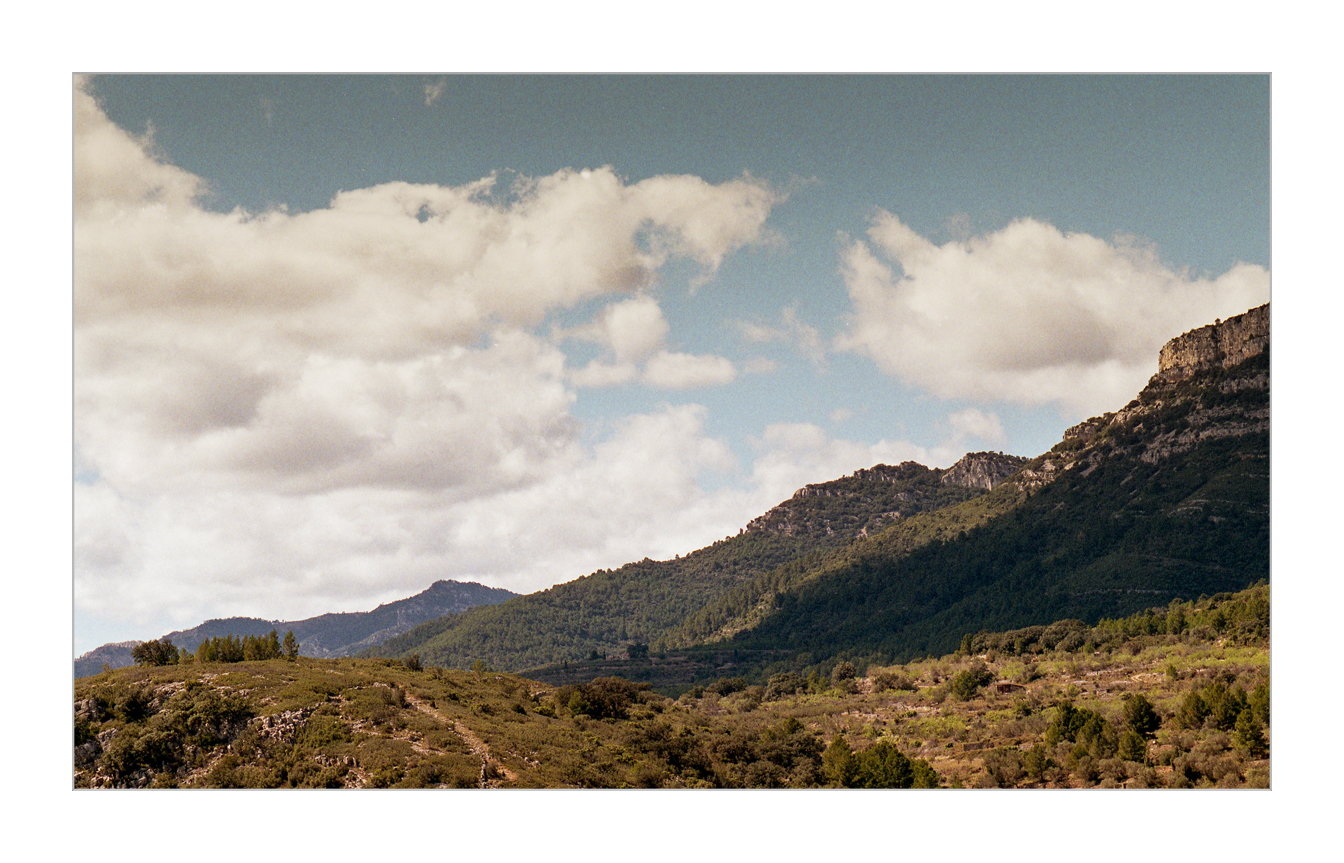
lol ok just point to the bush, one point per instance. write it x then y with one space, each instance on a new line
884 680
965 684
603 698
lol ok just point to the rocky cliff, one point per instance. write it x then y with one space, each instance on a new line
982 470
1220 344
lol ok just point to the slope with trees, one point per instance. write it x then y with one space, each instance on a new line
1169 498
1173 697
646 603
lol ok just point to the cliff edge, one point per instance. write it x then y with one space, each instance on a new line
1222 343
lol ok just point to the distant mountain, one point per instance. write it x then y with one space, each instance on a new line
328 635
1166 498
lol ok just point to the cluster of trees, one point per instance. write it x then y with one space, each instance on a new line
1242 617
881 765
160 651
249 648
967 682
1229 708
227 648
603 698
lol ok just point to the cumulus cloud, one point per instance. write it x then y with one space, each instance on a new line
676 371
975 423
791 455
251 551
634 333
112 169
1026 314
791 331
630 329
349 402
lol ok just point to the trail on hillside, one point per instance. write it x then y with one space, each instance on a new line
489 766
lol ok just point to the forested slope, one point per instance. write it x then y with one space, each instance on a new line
645 603
1168 498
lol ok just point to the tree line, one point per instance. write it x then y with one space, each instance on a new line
227 648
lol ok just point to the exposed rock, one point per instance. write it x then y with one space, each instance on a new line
1222 343
982 469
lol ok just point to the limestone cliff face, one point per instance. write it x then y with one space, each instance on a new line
1224 343
982 470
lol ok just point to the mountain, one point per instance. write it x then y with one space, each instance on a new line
646 603
1165 498
336 634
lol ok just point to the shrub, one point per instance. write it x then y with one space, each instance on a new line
784 684
965 684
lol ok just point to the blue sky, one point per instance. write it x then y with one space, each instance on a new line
338 337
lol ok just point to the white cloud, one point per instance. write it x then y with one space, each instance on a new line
631 329
1027 314
634 332
345 404
597 374
675 371
791 455
975 423
792 331
113 170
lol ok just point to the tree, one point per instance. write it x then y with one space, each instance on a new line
1192 712
157 652
1249 736
882 765
1133 746
1141 717
291 646
839 764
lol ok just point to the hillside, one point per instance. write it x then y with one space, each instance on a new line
607 612
1167 498
338 634
1175 697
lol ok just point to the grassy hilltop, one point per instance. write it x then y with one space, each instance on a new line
1176 697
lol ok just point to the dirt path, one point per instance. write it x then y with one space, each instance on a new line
490 768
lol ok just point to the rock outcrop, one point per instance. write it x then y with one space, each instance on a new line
982 469
1220 344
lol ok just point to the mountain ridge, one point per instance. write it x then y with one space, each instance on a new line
1167 497
326 635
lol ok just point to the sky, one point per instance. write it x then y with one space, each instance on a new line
337 337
